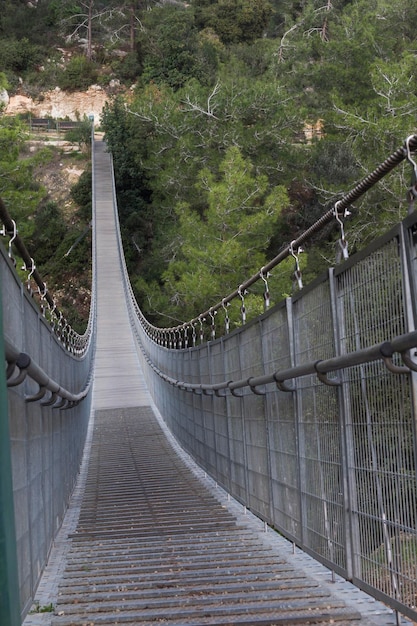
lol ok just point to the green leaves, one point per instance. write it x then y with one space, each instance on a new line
217 130
79 74
234 21
219 248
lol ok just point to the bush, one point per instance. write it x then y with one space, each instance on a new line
19 55
81 193
79 74
81 134
128 68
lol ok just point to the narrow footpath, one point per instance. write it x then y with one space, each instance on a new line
149 538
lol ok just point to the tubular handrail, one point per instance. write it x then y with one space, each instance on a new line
27 367
337 209
75 343
381 351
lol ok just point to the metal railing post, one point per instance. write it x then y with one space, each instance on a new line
297 417
9 586
351 532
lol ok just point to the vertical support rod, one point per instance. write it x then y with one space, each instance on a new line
9 584
297 426
351 534
408 264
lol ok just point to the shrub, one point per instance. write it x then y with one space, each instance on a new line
19 55
79 74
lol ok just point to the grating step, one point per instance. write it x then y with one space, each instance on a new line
223 617
91 592
154 546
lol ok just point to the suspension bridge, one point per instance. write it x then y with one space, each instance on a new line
264 477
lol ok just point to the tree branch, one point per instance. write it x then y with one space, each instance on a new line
199 109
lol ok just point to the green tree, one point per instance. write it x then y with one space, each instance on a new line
18 189
234 21
78 74
20 55
91 20
169 46
216 250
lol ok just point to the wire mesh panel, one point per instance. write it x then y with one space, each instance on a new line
189 399
200 403
209 434
258 473
45 444
332 466
380 429
235 418
410 248
320 464
219 416
371 303
221 428
283 451
384 481
282 428
321 475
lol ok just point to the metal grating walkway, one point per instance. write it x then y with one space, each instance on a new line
152 545
148 539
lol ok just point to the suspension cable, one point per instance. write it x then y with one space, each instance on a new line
338 208
72 340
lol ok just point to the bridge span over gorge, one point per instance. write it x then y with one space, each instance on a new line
166 476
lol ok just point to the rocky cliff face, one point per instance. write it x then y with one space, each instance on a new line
61 104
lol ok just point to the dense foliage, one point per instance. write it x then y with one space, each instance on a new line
247 118
42 224
308 99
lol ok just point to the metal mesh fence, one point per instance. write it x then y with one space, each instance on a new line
46 444
329 461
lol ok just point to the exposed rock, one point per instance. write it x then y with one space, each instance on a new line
4 97
60 104
19 104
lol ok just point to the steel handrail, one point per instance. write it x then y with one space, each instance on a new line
27 367
337 209
381 351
